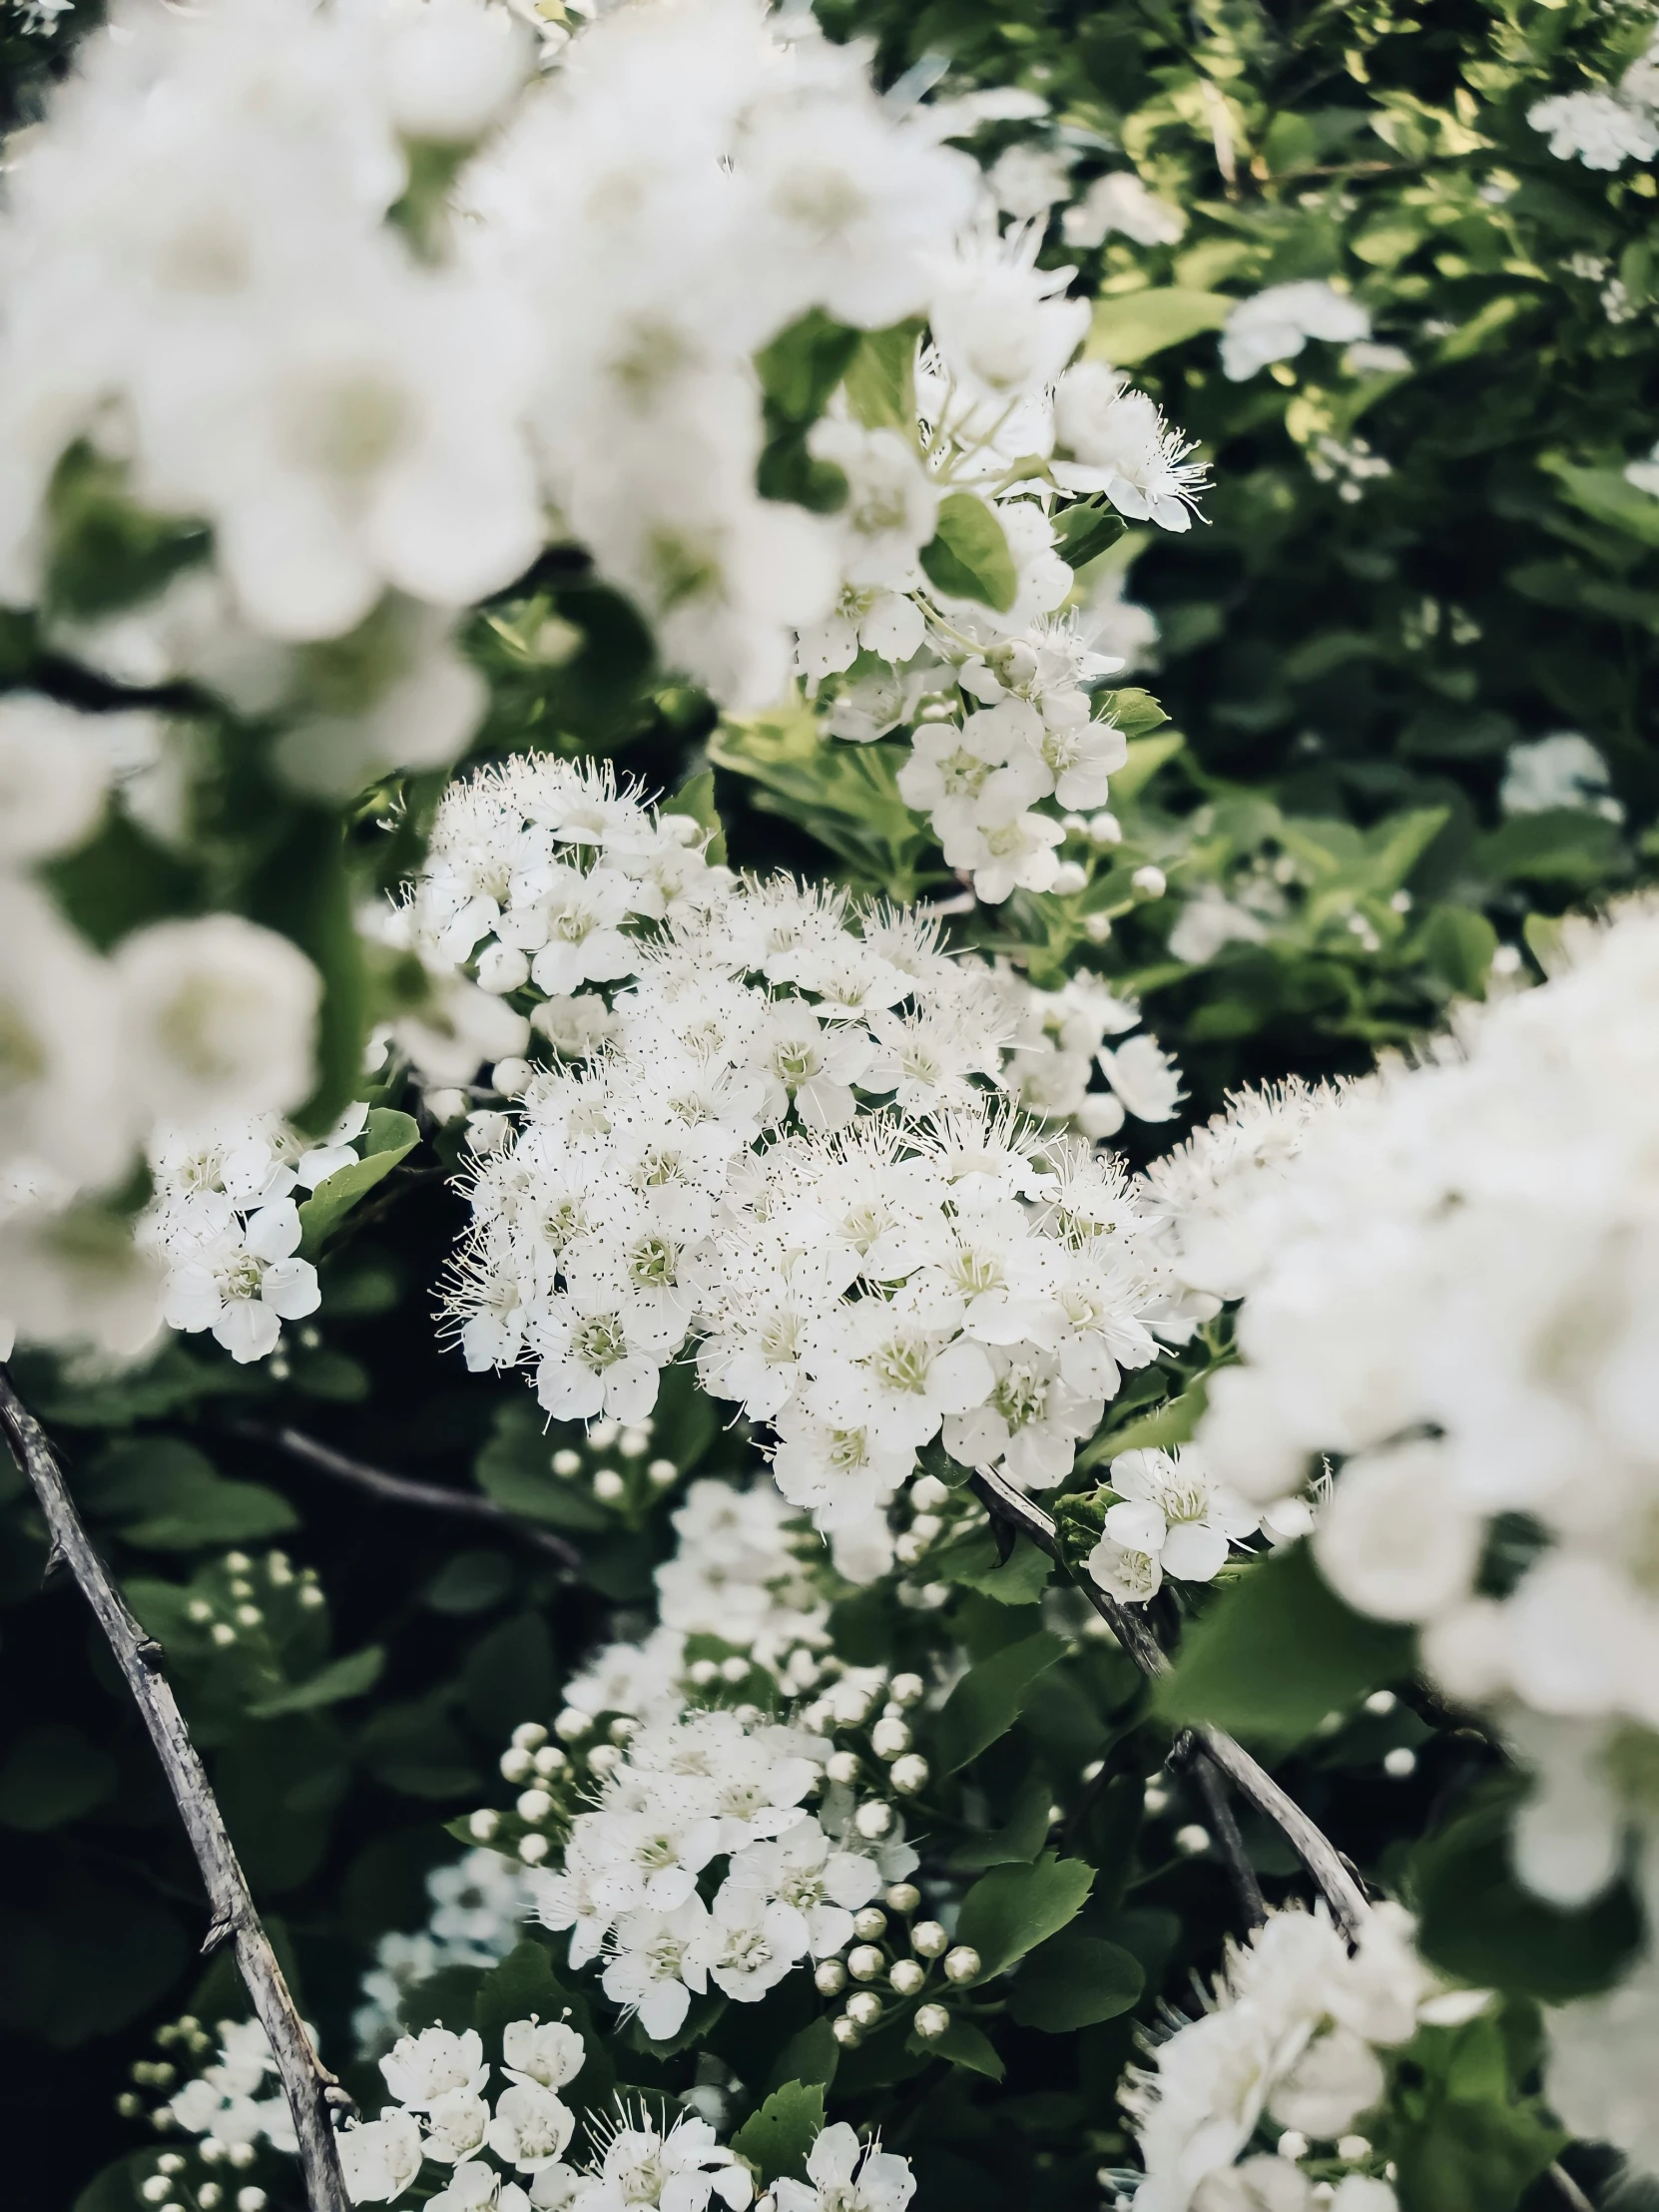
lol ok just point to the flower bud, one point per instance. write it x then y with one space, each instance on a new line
534 1806
608 1486
516 1764
550 1760
1149 881
250 2200
845 2032
604 1758
511 1076
1069 880
873 1818
906 1977
870 1925
830 1977
864 1961
888 1739
910 1773
929 1493
567 1462
864 2009
661 1474
843 1766
529 1736
962 1964
928 1940
907 1689
903 1896
483 1826
1105 828
533 1849
1097 927
1191 1838
931 2020
572 1725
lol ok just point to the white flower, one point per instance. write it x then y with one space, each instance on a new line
54 774
65 1096
1120 202
456 2125
1144 1077
420 2069
544 2051
1004 326
1172 1510
659 1962
1121 445
1396 1539
218 1015
1562 770
892 507
531 2127
1027 180
1273 326
675 2172
381 2158
1601 130
1599 2071
844 2175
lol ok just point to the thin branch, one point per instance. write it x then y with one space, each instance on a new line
402 1490
1225 1829
1331 1874
310 2088
1570 2190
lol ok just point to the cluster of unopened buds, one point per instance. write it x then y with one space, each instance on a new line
615 1464
237 1607
887 1980
169 2188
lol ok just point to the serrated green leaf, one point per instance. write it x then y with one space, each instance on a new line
963 2044
1011 1909
968 558
1277 1651
989 1698
777 2138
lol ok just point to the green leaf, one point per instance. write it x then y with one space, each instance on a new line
802 367
812 2056
1459 943
1146 756
970 557
1074 1981
1606 495
388 1138
1277 1651
349 1677
1082 533
1174 1422
1020 1580
777 2138
989 1698
696 797
1562 844
963 2044
523 1983
1465 2143
1134 325
1012 1909
1480 1924
1020 1837
52 1773
882 382
168 1498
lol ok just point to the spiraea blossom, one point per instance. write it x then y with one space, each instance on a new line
1286 2045
1605 125
780 1130
1274 325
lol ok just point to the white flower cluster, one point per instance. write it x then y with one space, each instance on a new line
225 1224
1170 1517
1275 325
1451 1286
678 1796
1288 2043
478 1901
998 701
905 1252
1608 126
184 1024
232 2104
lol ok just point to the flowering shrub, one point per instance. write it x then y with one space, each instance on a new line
803 1581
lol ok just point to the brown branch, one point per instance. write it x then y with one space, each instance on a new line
310 2088
401 1489
1225 1830
1331 1874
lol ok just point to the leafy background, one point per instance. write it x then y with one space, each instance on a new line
1342 679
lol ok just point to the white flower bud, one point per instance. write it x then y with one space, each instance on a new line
446 1105
843 1766
929 1493
209 2196
1149 881
512 1076
516 1764
906 1977
703 1672
864 2009
534 1806
962 1964
662 1473
1097 927
931 2021
1191 1838
910 1773
928 1940
608 1486
845 2032
1105 828
735 1670
888 1739
907 1689
550 1760
1069 880
623 1729
529 1736
870 1925
169 2162
830 1977
567 1462
903 1896
155 2188
872 1819
250 2200
533 1849
572 1725
484 1826
604 1758
864 1961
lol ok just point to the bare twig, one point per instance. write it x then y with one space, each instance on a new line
1570 2190
401 1489
1331 1874
310 2088
1225 1829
